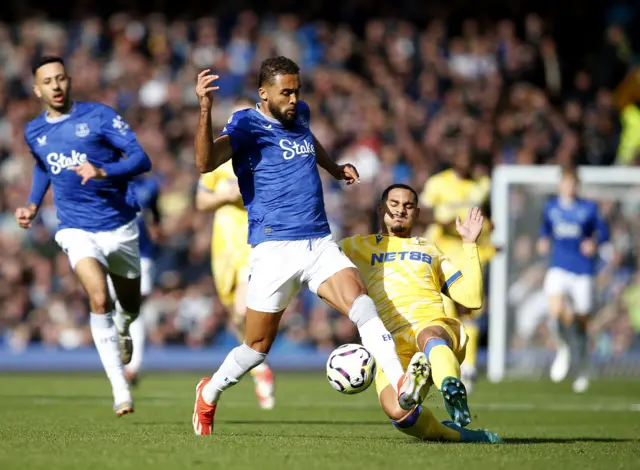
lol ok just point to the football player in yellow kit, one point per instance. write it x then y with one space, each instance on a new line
406 277
450 194
218 192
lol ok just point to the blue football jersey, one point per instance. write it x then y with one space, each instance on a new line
95 133
278 176
144 191
567 227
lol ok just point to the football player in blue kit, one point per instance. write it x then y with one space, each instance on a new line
78 150
276 157
572 229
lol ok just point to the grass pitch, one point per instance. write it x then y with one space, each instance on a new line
64 421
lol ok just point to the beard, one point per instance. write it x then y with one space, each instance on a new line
398 228
282 117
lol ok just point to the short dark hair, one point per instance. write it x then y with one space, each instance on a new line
385 193
274 66
47 59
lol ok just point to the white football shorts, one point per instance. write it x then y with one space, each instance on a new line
577 288
279 269
117 250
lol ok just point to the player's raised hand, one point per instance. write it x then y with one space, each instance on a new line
87 172
348 173
24 216
471 228
204 89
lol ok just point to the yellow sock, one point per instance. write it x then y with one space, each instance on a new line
422 424
473 336
442 361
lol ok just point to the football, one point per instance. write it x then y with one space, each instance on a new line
351 369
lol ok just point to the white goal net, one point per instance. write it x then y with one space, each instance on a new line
520 340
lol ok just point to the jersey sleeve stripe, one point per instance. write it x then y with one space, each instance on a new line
457 275
204 187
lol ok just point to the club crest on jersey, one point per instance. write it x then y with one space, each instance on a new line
82 129
60 161
291 149
120 125
302 121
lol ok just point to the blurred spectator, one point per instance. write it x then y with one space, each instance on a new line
394 97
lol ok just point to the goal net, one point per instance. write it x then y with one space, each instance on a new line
521 341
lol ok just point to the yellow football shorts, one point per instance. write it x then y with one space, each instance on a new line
406 340
230 266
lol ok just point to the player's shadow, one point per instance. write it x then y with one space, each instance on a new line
305 422
562 440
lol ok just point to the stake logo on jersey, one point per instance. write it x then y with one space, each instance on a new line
59 161
291 149
278 176
91 132
568 227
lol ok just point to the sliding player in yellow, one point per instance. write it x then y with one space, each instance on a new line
218 192
405 276
450 194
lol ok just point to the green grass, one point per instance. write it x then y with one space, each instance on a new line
64 421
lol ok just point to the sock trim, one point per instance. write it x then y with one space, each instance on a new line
409 419
432 343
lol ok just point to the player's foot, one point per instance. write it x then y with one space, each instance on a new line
413 381
123 408
561 364
203 412
455 401
468 377
263 378
131 376
581 384
474 435
126 347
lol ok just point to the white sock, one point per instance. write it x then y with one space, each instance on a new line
377 340
137 332
105 337
237 363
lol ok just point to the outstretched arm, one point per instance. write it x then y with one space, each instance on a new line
466 287
346 172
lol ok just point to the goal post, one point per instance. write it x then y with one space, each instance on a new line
518 194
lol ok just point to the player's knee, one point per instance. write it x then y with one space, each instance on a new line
261 344
100 302
362 310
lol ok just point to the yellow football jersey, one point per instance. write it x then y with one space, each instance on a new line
230 221
229 247
405 277
451 196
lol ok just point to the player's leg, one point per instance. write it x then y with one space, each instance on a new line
444 349
122 252
333 277
582 296
137 328
230 270
555 287
262 373
420 422
271 287
88 263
